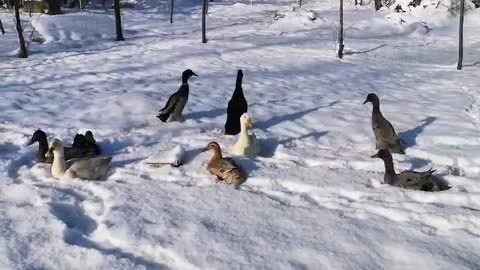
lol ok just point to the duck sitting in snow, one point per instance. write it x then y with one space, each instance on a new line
83 146
246 144
224 168
94 168
424 181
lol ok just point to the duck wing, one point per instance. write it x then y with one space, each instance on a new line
417 180
226 169
89 168
165 112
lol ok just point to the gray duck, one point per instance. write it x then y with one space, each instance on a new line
410 179
177 101
385 135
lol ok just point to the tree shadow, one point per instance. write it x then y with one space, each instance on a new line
472 65
269 146
289 117
364 51
213 113
409 137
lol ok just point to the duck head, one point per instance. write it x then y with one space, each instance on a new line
79 140
212 146
187 74
383 154
246 120
373 98
89 137
55 149
38 136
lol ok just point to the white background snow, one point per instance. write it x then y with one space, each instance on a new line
314 200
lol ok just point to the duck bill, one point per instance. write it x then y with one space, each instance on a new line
365 102
32 141
194 74
374 156
49 153
249 124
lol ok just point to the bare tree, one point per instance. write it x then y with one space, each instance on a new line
204 15
172 3
1 28
18 23
340 32
378 4
299 3
460 35
118 20
54 7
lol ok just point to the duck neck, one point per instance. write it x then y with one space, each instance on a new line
184 80
59 166
376 106
42 147
217 154
389 168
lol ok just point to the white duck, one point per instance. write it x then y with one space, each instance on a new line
84 168
246 144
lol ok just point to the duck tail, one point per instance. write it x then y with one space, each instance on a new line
163 117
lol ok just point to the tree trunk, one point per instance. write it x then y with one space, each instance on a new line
54 7
460 36
118 20
340 32
299 3
378 5
23 49
204 15
172 3
1 28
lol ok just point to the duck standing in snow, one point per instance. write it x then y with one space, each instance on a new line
385 135
236 107
94 168
247 144
78 150
224 168
424 181
177 101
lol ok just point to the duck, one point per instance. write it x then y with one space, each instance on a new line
92 168
86 142
177 101
247 144
224 168
425 181
174 158
236 107
78 150
385 135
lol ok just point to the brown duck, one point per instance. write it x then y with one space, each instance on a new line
224 168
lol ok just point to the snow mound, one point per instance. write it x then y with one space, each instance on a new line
297 18
74 27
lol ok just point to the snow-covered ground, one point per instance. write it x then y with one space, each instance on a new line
314 200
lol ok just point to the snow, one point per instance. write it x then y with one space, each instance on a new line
74 27
314 199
